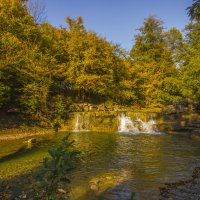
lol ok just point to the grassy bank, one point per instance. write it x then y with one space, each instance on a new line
22 132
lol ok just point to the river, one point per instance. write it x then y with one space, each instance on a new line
117 163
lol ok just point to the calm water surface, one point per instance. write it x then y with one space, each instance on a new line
117 164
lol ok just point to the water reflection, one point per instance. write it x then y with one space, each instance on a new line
139 163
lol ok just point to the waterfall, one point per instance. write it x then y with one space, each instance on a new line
148 126
78 122
82 122
126 125
131 123
136 126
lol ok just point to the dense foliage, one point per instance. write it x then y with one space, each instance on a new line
45 70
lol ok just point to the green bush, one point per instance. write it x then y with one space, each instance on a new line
56 168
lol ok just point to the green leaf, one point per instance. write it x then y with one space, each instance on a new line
52 153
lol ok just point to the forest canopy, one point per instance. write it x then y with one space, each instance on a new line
45 70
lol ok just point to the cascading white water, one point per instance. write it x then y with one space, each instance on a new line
82 122
126 125
148 127
78 122
136 126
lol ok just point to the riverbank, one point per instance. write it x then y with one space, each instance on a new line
22 132
12 127
183 190
17 187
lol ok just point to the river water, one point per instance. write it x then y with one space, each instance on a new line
114 164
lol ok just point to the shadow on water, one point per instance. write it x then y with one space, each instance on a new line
25 149
120 191
22 150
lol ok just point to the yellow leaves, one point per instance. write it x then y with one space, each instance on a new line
127 84
93 84
10 43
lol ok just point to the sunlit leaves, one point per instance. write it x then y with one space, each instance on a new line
152 59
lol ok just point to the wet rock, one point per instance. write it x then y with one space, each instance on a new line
169 109
62 191
94 187
182 107
8 187
93 108
32 140
23 196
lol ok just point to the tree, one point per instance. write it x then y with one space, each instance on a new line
152 60
190 69
26 63
17 39
37 9
4 92
149 44
175 42
75 24
91 63
194 10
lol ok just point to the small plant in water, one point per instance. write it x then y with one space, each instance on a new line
56 168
